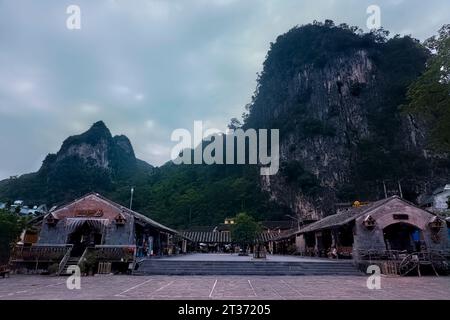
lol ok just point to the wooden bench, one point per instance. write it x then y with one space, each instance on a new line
4 271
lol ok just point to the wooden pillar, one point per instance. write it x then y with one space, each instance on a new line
185 246
169 245
159 252
317 245
335 237
300 243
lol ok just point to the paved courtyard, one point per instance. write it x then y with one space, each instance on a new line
223 287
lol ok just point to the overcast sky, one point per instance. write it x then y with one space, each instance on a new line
148 67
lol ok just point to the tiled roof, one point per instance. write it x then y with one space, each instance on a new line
342 218
140 216
224 237
207 237
136 215
267 236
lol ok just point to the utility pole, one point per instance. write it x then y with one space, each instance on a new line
400 189
131 198
385 191
299 220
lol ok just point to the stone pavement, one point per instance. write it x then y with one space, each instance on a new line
32 287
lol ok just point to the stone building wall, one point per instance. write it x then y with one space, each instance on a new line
56 234
384 216
120 235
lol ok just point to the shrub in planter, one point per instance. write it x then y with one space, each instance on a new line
53 269
87 266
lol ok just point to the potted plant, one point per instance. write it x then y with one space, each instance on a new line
87 266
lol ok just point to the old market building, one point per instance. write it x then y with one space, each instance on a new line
96 225
391 229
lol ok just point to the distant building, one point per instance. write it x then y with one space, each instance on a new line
438 201
218 238
36 210
20 208
229 221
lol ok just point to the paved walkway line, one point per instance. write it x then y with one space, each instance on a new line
277 293
55 284
253 289
212 290
163 287
292 288
31 289
132 288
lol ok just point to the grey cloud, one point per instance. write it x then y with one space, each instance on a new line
164 63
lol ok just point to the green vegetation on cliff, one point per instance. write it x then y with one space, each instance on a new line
429 95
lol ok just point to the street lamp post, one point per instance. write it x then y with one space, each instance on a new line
131 198
299 220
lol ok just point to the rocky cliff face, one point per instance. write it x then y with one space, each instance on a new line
96 155
330 123
91 161
338 110
96 148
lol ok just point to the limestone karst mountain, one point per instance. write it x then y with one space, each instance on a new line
334 93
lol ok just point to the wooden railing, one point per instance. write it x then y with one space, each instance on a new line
111 253
115 253
381 254
64 260
83 256
403 262
41 253
415 260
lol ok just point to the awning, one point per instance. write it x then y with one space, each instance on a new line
73 224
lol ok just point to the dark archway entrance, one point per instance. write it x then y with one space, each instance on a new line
84 236
402 237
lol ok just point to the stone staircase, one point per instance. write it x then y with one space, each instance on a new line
72 261
263 268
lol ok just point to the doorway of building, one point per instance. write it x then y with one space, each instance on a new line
402 237
83 237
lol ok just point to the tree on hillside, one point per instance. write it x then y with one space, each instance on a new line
245 230
429 95
10 228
